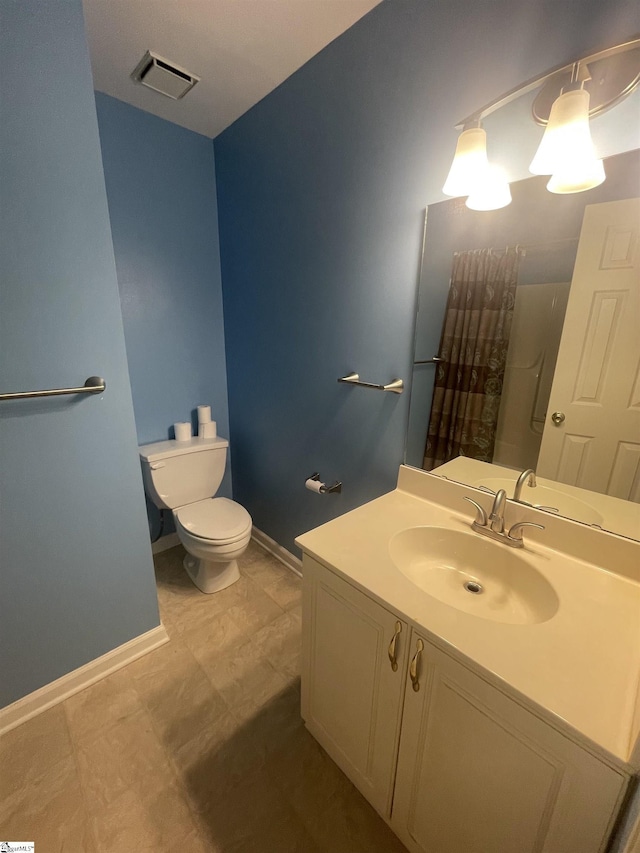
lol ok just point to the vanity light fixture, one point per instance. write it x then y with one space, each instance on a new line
469 162
491 190
472 175
566 151
568 96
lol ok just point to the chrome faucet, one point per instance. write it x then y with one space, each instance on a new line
528 475
496 516
493 525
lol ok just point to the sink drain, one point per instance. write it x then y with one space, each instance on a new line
474 587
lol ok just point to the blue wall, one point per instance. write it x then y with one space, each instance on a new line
77 577
162 204
321 192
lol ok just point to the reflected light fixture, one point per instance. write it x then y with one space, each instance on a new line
568 95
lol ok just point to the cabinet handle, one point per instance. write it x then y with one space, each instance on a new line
392 646
413 669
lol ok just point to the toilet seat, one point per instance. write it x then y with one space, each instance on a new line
215 520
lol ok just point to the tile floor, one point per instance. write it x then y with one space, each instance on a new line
197 746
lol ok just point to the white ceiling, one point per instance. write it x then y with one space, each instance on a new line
241 49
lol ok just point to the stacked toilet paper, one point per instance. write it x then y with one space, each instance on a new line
206 427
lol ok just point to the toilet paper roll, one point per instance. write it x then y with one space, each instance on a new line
313 485
182 431
204 414
207 430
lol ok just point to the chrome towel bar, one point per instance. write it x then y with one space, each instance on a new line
396 386
93 385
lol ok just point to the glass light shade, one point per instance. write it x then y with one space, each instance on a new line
469 162
576 179
567 147
491 192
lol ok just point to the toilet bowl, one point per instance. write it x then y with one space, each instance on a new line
183 476
215 533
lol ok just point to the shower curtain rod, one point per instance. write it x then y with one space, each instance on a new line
523 247
547 244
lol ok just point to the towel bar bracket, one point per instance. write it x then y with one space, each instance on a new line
396 386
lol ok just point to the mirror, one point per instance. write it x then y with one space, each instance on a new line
568 405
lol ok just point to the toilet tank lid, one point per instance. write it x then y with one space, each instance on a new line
166 449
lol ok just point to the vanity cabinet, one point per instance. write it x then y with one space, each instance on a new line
451 762
477 772
354 664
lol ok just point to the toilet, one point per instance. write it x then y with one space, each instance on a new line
183 476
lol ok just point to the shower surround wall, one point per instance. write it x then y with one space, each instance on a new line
534 340
77 577
321 195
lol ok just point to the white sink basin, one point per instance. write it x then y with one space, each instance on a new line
475 575
546 496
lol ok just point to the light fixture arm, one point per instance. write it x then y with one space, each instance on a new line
579 76
579 73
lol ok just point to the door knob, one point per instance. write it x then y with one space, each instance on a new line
557 418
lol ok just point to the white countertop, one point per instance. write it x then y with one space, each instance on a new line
582 665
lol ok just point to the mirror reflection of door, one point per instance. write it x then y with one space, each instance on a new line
592 430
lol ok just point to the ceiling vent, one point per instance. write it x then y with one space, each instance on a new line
163 76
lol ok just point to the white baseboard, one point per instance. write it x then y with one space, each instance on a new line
73 682
164 543
286 557
278 551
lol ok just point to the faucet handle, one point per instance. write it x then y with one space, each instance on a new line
515 532
486 489
540 506
481 516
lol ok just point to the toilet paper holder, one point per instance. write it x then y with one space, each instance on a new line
336 488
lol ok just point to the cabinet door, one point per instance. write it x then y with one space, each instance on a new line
351 691
478 773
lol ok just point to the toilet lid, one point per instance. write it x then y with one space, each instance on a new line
216 519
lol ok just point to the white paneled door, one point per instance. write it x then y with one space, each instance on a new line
592 431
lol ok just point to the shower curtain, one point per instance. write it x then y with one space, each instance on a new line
474 343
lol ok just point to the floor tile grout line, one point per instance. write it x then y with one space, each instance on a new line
84 794
246 638
196 817
176 777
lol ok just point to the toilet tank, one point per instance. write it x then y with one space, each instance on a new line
177 473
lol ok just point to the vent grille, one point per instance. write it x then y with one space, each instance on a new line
163 76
